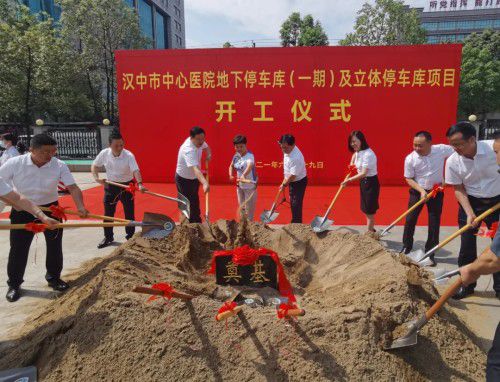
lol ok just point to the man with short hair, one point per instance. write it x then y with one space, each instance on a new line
36 176
188 175
472 170
121 167
295 175
423 169
244 163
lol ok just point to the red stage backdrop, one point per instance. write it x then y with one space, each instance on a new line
319 94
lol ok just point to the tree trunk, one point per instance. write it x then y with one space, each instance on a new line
29 74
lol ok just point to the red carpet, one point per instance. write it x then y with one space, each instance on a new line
223 204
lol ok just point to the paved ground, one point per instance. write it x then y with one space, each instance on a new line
480 312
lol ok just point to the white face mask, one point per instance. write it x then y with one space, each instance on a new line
2 144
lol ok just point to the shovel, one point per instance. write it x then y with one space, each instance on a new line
410 338
419 255
321 224
154 225
267 216
182 201
430 195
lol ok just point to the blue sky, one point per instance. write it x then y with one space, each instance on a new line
209 23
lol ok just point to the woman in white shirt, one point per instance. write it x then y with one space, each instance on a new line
8 142
365 161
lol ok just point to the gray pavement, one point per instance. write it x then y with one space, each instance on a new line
480 312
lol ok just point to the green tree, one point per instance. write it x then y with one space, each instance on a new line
302 32
227 44
97 28
387 22
37 77
480 76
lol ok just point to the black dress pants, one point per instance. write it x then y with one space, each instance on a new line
113 195
189 188
297 192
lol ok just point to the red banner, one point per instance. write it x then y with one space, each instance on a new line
319 94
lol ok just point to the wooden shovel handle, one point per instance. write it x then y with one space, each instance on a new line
468 226
206 193
295 312
228 313
116 184
103 217
408 211
156 292
450 291
337 195
66 225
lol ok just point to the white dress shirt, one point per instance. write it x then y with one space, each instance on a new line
478 175
366 159
4 188
427 170
294 164
189 156
38 184
240 164
11 152
118 168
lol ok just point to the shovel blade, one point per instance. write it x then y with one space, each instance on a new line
318 227
416 256
184 206
267 217
163 226
409 339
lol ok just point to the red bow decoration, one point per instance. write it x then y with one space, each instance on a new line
58 212
35 227
283 309
132 188
436 189
485 232
226 307
166 288
247 256
351 169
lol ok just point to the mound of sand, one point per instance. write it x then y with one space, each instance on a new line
354 292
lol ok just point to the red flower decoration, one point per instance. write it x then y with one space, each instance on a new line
226 307
58 212
283 309
132 188
437 188
166 288
36 227
485 232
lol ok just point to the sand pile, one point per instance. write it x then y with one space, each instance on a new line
355 293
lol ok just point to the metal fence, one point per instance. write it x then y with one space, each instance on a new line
76 142
488 128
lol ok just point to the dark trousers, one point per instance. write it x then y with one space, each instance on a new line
20 242
113 195
434 209
493 363
468 244
297 191
189 188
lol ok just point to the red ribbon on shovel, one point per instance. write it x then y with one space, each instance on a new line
59 212
485 232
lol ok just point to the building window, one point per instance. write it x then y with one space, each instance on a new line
160 31
130 3
178 26
146 19
177 12
178 40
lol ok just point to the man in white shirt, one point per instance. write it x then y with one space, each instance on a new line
188 175
244 164
121 167
472 170
295 175
423 169
8 142
36 176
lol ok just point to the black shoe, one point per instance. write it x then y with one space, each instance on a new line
13 294
104 243
405 250
463 292
497 295
433 262
58 284
128 237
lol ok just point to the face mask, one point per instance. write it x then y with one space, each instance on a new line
2 144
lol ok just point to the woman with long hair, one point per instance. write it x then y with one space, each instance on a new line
365 161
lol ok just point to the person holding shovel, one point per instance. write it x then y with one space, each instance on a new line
244 164
36 176
121 167
365 161
472 170
188 175
423 168
295 175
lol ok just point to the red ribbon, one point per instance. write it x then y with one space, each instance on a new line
35 227
283 309
166 288
58 212
132 188
226 307
436 189
485 232
247 256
